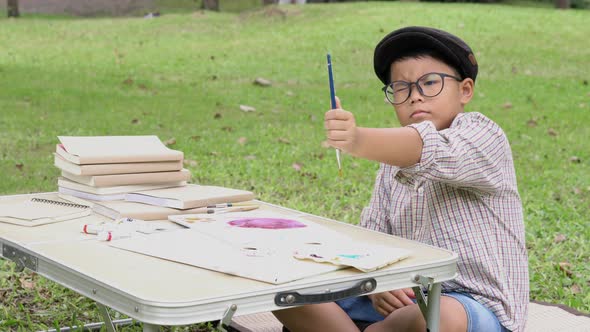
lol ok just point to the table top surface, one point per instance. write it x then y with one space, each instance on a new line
84 264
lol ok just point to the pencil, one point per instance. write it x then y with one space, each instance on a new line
242 208
333 103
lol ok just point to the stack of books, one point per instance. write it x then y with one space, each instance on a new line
134 177
190 199
105 168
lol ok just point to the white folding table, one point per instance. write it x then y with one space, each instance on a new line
158 292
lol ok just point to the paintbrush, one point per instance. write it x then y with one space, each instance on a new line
333 103
207 210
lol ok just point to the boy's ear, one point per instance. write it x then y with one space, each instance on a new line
466 90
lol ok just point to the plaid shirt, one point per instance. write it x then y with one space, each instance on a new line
462 196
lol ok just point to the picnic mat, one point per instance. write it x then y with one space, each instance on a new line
543 317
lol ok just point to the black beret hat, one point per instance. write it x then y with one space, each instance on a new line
410 39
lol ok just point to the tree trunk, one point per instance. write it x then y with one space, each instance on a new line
562 4
12 8
211 5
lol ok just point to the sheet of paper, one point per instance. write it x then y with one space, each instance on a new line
261 245
193 248
287 233
363 257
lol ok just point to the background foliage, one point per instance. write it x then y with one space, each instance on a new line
184 75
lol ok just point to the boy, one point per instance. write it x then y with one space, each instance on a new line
447 179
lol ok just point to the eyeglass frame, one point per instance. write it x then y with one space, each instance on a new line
443 75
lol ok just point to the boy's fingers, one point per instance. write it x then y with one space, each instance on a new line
337 114
337 135
396 303
338 103
410 293
401 295
385 308
380 304
383 312
336 125
380 312
393 301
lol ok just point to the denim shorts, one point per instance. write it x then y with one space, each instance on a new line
479 318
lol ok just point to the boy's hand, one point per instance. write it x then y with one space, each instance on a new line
387 302
341 130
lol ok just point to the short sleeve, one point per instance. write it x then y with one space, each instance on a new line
470 154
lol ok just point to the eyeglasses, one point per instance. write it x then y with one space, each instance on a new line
429 85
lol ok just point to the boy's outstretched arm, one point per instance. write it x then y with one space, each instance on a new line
394 146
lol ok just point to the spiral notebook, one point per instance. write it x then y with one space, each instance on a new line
35 211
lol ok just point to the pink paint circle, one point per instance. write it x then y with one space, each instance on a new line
266 223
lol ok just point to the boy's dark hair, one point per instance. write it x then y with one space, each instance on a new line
450 48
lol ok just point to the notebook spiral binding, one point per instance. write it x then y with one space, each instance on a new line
50 201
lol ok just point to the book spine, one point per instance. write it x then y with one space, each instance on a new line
118 159
139 178
127 168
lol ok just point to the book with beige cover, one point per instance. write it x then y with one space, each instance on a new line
119 168
124 209
84 150
128 179
89 196
190 196
65 183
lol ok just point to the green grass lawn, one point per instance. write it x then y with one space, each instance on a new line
184 76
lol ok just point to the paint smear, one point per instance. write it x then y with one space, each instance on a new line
266 223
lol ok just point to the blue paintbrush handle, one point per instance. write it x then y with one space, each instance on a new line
331 78
333 102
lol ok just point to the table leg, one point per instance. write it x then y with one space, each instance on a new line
108 322
433 312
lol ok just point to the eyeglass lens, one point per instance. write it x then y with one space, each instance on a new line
429 85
